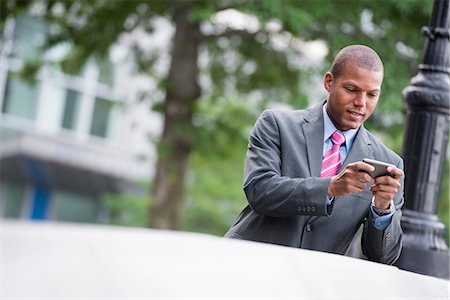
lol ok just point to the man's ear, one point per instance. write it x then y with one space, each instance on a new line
328 80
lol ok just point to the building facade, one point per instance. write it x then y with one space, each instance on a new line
67 140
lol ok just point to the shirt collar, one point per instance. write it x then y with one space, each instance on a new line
329 128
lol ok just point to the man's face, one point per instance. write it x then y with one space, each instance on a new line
353 96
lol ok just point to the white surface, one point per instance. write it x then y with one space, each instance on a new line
60 261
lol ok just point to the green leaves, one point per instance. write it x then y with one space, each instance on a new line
244 71
221 124
128 209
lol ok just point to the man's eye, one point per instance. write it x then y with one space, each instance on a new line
350 89
372 95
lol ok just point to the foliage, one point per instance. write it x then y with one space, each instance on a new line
241 64
444 201
127 209
215 194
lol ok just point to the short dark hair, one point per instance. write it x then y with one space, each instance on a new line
362 56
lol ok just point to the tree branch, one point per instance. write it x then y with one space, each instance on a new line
230 33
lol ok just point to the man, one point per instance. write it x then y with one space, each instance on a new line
304 178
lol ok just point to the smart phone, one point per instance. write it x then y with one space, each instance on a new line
380 168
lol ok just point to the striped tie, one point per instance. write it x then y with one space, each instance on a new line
332 160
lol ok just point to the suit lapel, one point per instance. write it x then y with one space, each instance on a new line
313 133
361 148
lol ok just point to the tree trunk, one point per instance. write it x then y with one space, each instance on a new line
177 138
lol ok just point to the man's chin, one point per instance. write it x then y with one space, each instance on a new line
348 126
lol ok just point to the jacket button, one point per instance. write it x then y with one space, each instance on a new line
308 227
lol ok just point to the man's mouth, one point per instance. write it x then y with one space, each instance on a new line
356 114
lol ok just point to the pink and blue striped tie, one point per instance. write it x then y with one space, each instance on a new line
332 159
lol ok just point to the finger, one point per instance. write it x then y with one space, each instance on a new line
360 185
357 189
395 172
384 189
356 186
387 180
362 166
364 177
385 186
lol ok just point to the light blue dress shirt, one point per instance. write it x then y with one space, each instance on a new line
379 222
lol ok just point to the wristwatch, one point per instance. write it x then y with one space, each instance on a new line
383 212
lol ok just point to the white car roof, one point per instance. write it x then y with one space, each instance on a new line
56 260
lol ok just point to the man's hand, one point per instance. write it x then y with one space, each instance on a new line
353 179
385 187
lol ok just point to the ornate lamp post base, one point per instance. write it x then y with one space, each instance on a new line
427 127
429 258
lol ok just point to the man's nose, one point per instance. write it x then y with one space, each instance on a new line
360 99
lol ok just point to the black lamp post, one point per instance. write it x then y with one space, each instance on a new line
428 109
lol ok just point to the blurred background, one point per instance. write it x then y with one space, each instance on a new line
137 113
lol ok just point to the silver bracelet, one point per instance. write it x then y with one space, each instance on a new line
383 212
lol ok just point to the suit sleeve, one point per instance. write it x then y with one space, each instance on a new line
385 245
268 192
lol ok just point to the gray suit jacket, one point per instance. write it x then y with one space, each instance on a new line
286 195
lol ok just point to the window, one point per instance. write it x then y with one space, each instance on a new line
101 116
30 34
106 75
74 207
14 199
20 97
71 109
